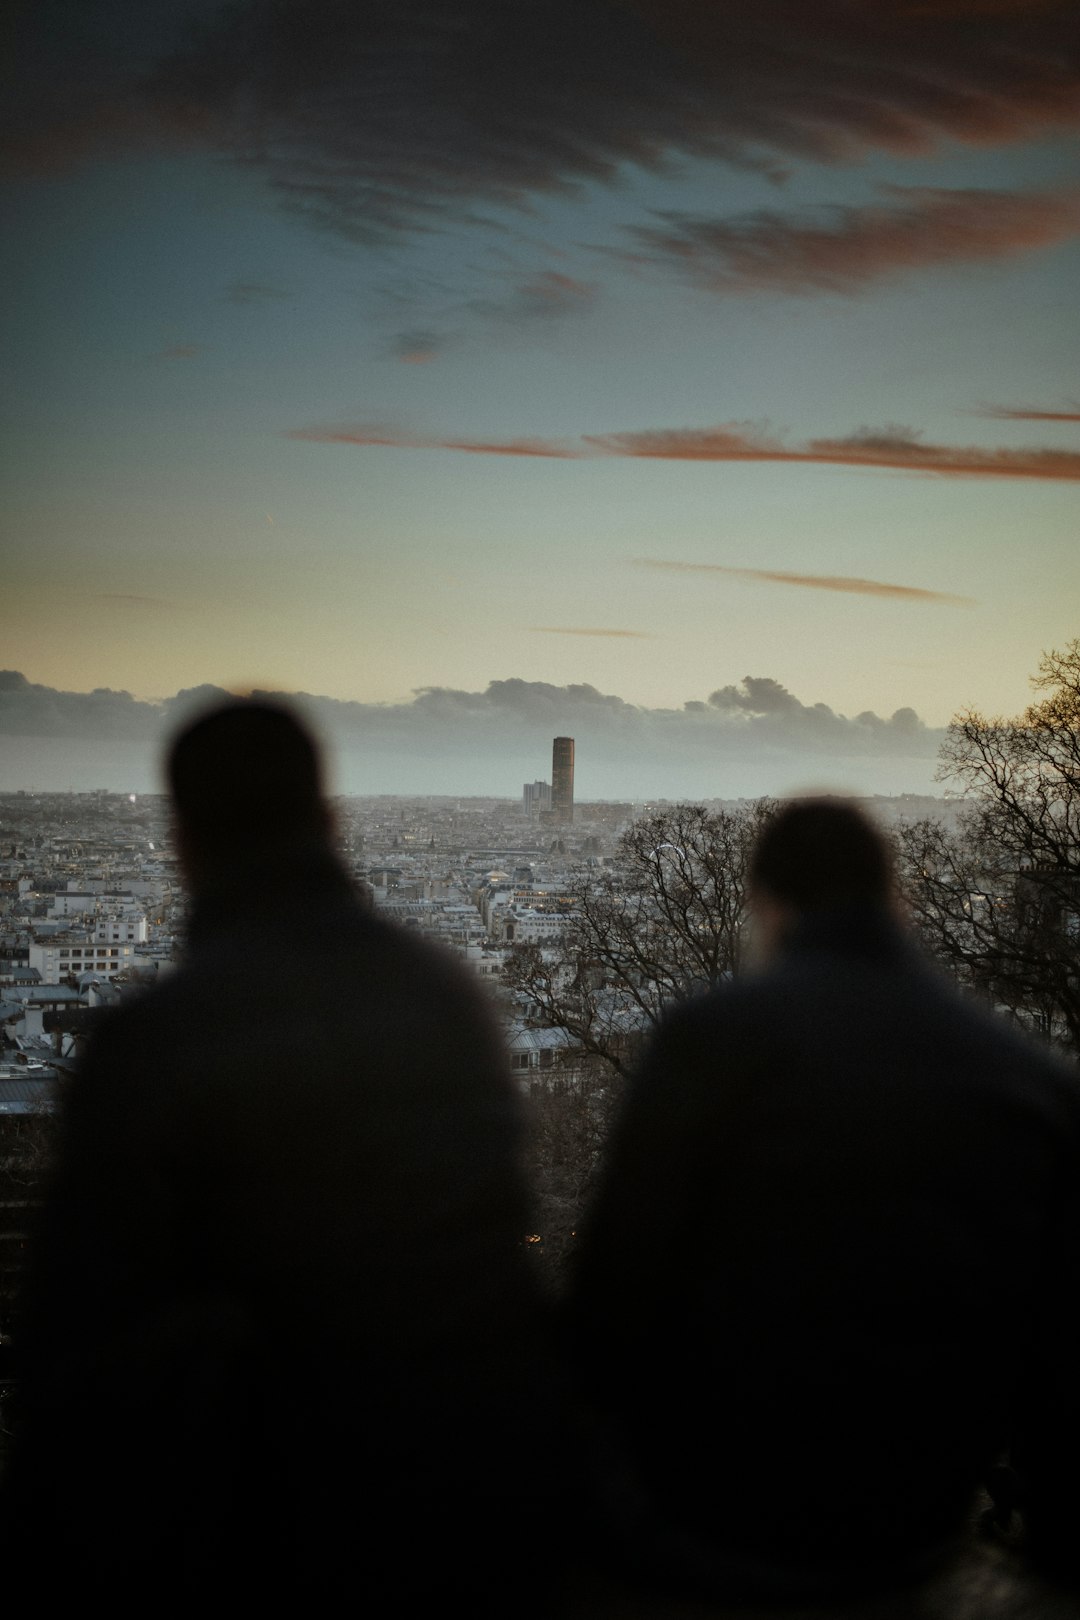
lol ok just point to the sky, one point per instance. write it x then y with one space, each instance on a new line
694 379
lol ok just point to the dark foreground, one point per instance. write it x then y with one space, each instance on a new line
989 1584
989 1581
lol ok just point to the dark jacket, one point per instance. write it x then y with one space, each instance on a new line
281 1338
833 1268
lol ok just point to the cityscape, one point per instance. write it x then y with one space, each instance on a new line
560 906
92 904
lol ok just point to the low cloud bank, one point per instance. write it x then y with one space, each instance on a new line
745 739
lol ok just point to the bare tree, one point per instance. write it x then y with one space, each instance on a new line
569 1116
26 1146
998 898
665 922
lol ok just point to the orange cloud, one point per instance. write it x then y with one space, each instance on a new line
814 582
1006 413
511 447
359 435
842 249
889 449
912 455
388 437
734 442
897 450
179 351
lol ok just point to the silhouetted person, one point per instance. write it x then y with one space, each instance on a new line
833 1268
282 1343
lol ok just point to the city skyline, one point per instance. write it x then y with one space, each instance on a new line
700 385
743 742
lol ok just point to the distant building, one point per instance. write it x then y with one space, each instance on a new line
66 954
535 797
562 779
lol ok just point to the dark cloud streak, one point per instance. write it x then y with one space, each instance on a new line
548 295
417 347
397 115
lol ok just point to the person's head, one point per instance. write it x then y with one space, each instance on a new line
244 778
816 855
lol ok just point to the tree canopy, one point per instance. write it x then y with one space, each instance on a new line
998 898
666 920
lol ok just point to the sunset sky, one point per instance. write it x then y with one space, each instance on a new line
697 379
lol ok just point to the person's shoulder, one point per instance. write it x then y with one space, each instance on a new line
1037 1058
140 1021
409 944
137 1003
402 959
1028 1048
1025 1060
718 1015
728 1001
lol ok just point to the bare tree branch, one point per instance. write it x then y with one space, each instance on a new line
998 899
667 921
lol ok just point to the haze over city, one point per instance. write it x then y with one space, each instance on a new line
695 381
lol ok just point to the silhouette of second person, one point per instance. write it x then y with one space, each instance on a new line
834 1252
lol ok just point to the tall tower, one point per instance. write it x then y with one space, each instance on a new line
562 779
